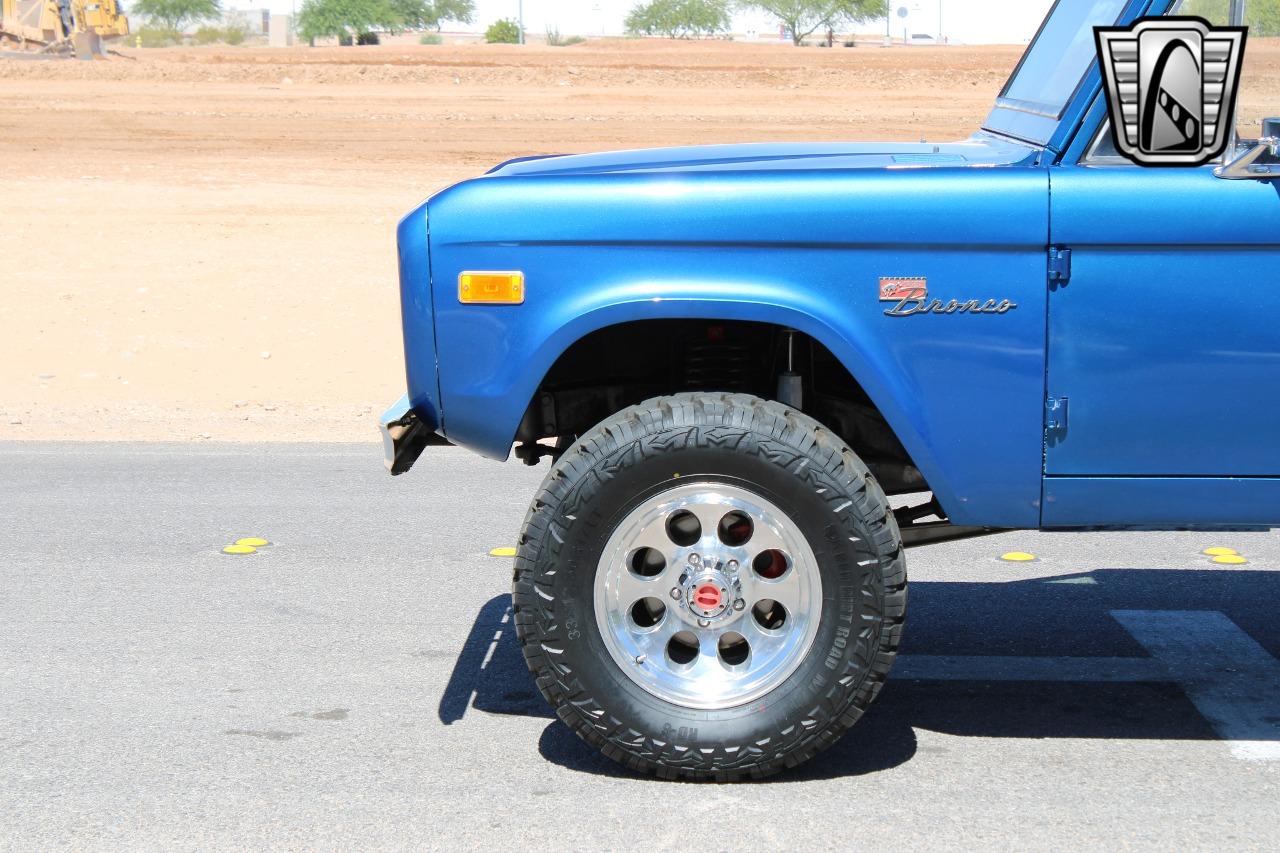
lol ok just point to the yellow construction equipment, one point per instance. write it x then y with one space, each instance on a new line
63 26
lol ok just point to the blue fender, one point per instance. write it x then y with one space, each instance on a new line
963 392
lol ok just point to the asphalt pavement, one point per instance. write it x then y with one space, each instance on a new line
356 683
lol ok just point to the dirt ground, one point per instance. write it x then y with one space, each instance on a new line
199 243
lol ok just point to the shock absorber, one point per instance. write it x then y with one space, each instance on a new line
790 383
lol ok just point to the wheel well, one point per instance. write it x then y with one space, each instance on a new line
618 366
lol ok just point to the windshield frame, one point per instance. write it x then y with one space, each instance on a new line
1038 124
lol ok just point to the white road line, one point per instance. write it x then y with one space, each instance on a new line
1008 668
1230 679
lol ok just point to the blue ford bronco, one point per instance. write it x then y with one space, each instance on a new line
762 372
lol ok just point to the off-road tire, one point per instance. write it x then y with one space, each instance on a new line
775 451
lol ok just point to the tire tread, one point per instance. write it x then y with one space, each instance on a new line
660 425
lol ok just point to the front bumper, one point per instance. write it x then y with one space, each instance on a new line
404 436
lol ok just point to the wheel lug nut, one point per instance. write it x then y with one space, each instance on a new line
704 623
675 593
732 567
694 559
739 604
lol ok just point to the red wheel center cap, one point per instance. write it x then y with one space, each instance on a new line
707 596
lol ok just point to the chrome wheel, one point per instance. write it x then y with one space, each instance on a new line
707 596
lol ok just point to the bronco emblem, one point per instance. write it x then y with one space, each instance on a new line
911 296
895 289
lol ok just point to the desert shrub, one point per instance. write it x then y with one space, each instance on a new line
504 31
235 32
158 36
430 38
556 40
361 38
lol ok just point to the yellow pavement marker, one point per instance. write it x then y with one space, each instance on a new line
253 541
1018 557
503 552
1220 552
239 549
1229 560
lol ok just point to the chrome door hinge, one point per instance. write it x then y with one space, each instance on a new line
1059 266
1055 415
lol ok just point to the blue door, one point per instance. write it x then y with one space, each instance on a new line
1165 342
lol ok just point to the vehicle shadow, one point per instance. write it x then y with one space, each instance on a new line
1064 616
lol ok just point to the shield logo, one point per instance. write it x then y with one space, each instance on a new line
1171 88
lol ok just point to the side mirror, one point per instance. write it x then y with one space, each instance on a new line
1245 166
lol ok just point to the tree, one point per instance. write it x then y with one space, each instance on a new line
504 31
338 18
430 14
803 18
175 15
679 18
1262 16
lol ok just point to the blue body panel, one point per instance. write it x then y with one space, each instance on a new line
1162 503
980 150
1164 340
418 317
804 248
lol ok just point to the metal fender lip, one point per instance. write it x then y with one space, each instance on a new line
404 436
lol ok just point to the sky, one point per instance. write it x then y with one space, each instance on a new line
962 21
